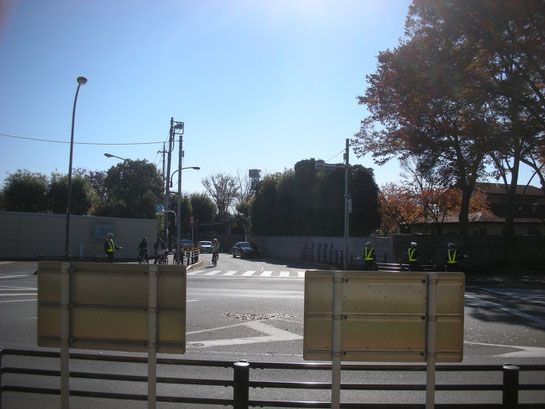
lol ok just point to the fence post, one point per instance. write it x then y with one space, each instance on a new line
1 369
510 395
241 385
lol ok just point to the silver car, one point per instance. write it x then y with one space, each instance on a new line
205 246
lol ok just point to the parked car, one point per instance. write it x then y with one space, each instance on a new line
244 249
205 246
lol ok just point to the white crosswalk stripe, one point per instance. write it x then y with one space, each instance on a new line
249 273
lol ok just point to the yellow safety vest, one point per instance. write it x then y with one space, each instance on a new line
451 259
410 252
110 246
368 254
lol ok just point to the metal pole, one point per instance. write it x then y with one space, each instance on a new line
346 214
69 194
337 322
510 393
152 335
65 335
179 210
431 339
241 385
167 180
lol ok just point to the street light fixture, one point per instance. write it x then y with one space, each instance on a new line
109 155
177 170
81 81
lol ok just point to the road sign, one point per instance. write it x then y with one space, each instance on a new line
108 306
384 316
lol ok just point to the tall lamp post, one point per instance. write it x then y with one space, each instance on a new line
81 81
109 155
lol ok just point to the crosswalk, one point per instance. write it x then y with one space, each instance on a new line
248 273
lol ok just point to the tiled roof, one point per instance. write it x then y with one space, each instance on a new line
499 189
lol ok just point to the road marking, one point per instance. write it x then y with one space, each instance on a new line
5 302
266 273
284 274
248 273
523 351
230 273
534 297
192 273
241 293
212 273
272 334
16 295
301 274
507 309
21 275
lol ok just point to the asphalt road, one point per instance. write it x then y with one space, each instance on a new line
253 310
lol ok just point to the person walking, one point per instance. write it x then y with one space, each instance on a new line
452 258
368 257
412 254
159 248
110 248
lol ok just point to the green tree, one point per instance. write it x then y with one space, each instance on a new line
26 192
203 207
83 194
427 104
133 188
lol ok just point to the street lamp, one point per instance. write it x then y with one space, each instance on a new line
179 210
109 155
177 170
81 81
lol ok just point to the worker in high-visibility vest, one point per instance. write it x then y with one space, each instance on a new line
452 258
368 257
412 254
110 248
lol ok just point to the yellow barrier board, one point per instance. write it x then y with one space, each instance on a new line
383 316
108 306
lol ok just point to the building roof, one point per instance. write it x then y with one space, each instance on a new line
499 189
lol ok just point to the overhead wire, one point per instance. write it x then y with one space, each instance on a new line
81 143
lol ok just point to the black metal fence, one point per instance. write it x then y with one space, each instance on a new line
257 384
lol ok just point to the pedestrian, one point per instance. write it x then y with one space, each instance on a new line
452 258
143 251
368 257
412 254
110 248
159 248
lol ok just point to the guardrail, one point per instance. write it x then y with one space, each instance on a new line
226 383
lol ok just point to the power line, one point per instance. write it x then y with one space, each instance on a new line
81 143
335 155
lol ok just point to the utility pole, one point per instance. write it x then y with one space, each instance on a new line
167 180
180 127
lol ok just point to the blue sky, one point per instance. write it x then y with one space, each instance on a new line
259 84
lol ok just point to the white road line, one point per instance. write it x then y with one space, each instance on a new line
5 302
301 274
20 275
212 273
272 334
248 273
284 274
16 295
266 273
230 273
192 273
510 294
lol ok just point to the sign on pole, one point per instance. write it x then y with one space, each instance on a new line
384 316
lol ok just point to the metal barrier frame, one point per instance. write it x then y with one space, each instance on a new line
241 383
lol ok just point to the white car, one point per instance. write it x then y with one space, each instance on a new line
205 246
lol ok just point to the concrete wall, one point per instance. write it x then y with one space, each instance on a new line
476 251
35 235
